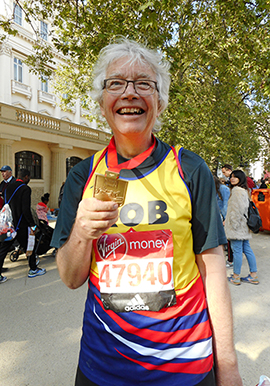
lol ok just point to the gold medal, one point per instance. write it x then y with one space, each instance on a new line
109 187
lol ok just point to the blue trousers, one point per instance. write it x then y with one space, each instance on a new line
81 380
239 247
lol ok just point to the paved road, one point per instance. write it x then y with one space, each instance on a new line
41 319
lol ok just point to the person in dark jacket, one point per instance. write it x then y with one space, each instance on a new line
8 178
20 205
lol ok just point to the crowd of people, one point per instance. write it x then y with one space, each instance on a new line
153 256
27 222
17 193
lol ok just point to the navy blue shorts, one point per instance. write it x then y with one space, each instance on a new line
82 380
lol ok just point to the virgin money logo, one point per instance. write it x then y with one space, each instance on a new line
112 247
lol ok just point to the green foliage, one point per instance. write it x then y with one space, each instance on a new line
219 51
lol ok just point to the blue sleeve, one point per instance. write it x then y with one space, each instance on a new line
207 228
72 196
225 193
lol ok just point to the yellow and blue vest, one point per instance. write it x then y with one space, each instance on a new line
174 345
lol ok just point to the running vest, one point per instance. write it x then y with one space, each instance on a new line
135 258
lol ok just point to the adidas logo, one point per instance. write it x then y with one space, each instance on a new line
136 304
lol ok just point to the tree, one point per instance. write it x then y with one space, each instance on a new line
218 50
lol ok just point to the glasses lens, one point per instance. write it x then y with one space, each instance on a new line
144 87
116 85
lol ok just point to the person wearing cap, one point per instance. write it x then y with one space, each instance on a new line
8 178
19 195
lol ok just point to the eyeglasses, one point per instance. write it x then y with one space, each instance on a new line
119 86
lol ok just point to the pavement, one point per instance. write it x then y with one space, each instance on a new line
41 320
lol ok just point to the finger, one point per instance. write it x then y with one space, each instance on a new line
93 229
98 205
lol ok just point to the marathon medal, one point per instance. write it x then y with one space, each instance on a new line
109 187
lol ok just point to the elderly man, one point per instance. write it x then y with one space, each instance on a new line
8 178
151 256
6 172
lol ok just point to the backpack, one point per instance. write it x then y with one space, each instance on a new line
7 230
254 221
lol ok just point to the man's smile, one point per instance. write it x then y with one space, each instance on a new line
130 110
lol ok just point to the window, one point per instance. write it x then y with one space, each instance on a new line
44 30
70 162
18 70
44 83
30 161
17 14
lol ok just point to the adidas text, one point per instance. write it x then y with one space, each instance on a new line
137 307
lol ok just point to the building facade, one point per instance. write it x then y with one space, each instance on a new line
35 133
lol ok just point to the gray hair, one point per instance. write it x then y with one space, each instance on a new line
136 53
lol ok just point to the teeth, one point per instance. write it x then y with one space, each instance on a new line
130 110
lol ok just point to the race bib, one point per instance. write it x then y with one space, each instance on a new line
136 270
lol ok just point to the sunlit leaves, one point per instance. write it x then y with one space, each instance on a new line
219 52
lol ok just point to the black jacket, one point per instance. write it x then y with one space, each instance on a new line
20 204
3 186
3 183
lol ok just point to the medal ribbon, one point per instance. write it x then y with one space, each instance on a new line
132 163
113 160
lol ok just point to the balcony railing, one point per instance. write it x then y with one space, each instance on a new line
44 96
36 121
20 88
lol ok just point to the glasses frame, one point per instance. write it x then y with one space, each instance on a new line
134 85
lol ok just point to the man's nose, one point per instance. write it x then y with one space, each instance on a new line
130 89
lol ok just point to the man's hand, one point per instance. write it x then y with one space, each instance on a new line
94 217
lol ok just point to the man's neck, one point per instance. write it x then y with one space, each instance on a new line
8 180
131 147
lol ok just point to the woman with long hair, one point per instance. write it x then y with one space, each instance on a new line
237 231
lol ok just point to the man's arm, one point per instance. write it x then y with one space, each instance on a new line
94 217
212 267
26 205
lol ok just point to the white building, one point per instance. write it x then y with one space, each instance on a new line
35 133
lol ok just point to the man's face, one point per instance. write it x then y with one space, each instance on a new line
226 172
130 113
6 174
26 179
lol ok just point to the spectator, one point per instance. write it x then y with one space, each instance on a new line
223 181
136 329
226 170
6 172
263 184
257 184
237 230
223 194
42 209
250 184
20 205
